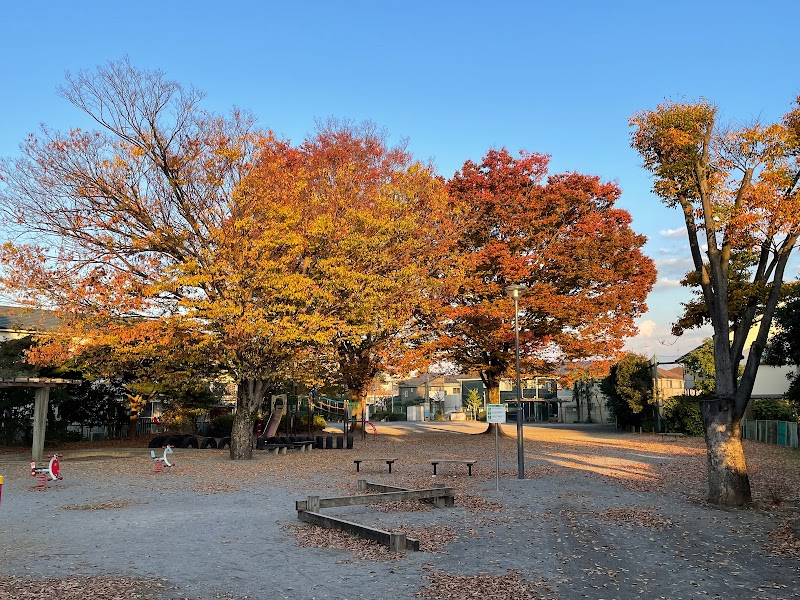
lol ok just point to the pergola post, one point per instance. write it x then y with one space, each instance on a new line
41 401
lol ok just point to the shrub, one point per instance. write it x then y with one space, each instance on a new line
383 415
300 423
318 423
394 417
773 409
221 426
682 415
438 416
59 433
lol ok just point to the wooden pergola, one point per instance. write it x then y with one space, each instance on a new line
42 387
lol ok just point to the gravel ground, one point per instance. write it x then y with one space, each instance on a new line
600 515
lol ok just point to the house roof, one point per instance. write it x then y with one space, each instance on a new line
19 319
673 373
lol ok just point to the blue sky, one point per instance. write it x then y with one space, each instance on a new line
454 78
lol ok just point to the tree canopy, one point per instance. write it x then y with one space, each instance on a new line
562 237
172 232
629 387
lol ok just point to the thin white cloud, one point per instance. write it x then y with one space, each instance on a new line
673 233
655 338
673 261
667 282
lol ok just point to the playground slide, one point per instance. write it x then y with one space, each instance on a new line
275 418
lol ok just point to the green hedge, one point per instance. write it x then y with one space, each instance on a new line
301 423
682 415
221 426
382 415
773 409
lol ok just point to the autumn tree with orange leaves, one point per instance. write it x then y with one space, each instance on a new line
356 220
266 261
738 189
563 238
109 224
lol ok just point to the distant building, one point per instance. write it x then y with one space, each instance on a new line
18 322
670 382
448 394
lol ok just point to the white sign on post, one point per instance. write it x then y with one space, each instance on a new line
495 413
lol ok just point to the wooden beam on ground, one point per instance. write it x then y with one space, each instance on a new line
395 541
444 495
364 485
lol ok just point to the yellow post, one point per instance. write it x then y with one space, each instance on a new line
1 487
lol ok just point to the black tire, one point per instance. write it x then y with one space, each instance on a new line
339 442
189 441
158 441
328 442
226 441
208 442
319 442
349 442
174 440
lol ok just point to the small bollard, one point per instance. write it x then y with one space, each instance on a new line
1 488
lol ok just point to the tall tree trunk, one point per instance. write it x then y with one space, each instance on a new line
728 482
249 395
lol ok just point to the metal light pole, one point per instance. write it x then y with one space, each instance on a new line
515 292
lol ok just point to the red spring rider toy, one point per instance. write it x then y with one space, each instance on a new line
52 471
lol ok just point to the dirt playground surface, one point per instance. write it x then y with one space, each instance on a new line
601 514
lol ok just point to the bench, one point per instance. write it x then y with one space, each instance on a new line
672 435
463 461
388 461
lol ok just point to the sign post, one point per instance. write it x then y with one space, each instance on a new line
496 413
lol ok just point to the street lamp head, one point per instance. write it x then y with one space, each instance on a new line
516 290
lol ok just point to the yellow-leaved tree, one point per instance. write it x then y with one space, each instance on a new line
267 261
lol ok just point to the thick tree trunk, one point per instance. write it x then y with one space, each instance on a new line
728 482
249 396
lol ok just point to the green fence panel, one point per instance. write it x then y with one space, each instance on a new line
781 433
